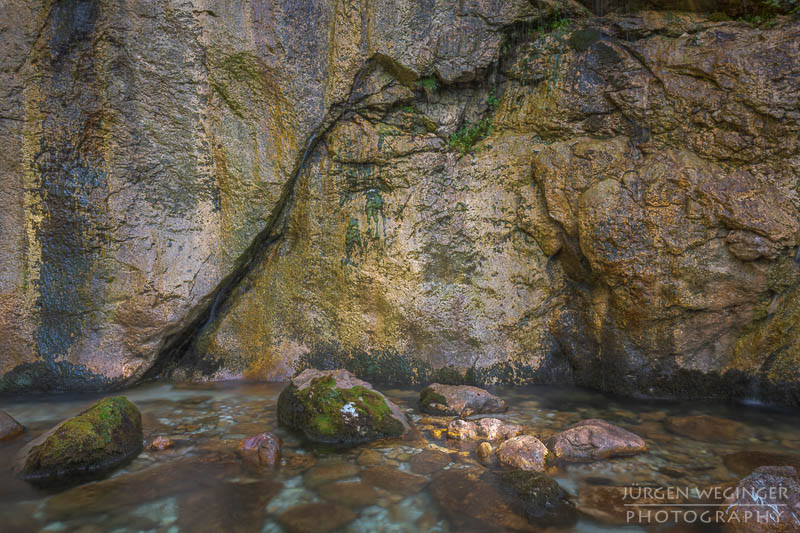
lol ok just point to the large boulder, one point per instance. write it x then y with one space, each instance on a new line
335 407
103 437
590 440
9 428
459 400
766 501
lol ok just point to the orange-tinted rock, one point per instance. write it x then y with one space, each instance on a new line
160 443
525 452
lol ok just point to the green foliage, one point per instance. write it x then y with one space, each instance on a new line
408 109
429 83
492 101
333 415
465 139
783 6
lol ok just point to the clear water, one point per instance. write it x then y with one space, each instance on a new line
201 485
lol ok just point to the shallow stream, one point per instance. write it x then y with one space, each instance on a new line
201 484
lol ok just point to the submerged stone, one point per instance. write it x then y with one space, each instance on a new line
429 461
315 518
263 449
335 407
590 440
459 400
766 501
9 428
99 439
543 501
160 443
705 428
743 463
394 480
473 503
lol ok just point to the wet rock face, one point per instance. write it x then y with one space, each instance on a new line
621 203
100 439
591 440
445 186
334 407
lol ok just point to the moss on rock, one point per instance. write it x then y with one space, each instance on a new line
542 500
428 397
339 415
101 438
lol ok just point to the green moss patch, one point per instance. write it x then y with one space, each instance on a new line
332 415
100 438
428 397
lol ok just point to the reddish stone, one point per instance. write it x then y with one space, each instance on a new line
160 443
263 449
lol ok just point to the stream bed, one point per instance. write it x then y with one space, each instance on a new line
388 486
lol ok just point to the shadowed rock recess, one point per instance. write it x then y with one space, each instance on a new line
486 191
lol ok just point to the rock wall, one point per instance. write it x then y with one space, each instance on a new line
489 191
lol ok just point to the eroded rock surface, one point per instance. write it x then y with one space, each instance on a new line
397 188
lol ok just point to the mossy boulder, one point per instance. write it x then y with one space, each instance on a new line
103 437
335 407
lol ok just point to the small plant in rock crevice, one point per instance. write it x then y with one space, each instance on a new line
465 139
